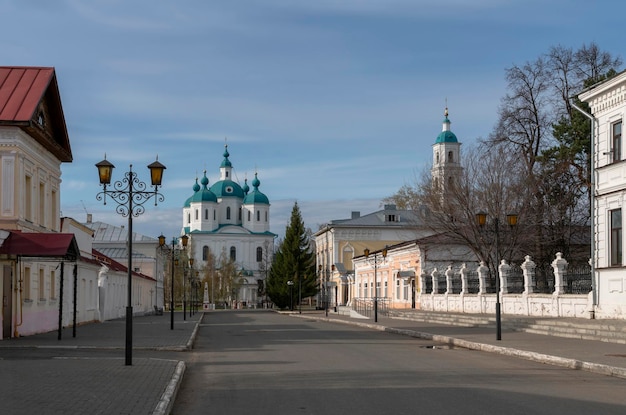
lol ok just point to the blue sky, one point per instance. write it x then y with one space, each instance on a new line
335 103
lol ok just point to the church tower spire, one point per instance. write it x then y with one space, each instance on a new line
447 168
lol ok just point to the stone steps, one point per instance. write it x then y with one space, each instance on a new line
613 331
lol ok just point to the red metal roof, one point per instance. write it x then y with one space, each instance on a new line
21 90
41 245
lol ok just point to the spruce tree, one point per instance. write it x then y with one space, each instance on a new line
294 261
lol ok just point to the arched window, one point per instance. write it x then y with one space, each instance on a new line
205 253
249 216
259 254
265 216
240 209
206 214
233 253
258 216
214 214
228 213
437 158
196 214
188 217
450 156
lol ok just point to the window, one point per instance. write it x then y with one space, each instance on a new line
53 209
249 216
214 214
259 254
53 292
266 216
437 158
450 156
233 253
206 214
228 213
196 214
397 289
42 285
240 214
28 199
42 204
617 141
258 216
26 282
205 253
616 237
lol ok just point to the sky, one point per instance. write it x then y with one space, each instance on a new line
334 103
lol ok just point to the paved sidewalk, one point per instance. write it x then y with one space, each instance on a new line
96 385
594 356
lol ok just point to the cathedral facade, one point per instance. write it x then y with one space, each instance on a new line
231 223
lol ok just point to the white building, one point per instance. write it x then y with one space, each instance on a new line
49 276
229 221
607 101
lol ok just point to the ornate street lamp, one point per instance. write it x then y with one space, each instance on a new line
384 255
511 219
184 241
130 196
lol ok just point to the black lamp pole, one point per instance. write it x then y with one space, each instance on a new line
130 196
512 221
367 254
174 261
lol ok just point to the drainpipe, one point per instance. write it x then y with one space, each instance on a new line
594 290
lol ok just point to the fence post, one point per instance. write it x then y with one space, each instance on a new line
449 276
435 278
504 270
423 284
528 267
482 271
559 265
463 273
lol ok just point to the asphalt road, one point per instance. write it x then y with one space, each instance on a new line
267 363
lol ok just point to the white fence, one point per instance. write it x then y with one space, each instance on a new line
452 291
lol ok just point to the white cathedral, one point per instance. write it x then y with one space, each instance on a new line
228 219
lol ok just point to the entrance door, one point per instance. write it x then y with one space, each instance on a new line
7 305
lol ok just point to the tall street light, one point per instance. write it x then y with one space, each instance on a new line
190 287
130 195
511 219
367 254
174 261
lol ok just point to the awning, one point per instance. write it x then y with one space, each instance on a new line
58 245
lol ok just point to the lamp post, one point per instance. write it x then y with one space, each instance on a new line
130 196
511 219
367 254
290 284
174 261
190 288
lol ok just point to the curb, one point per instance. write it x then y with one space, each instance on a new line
166 402
576 364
